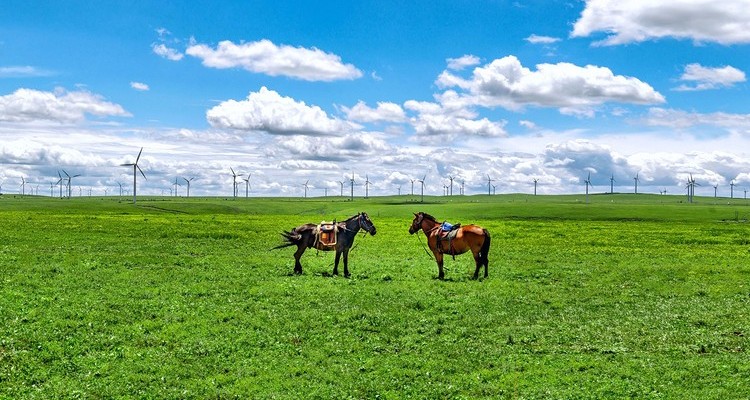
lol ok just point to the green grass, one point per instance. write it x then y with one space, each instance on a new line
626 297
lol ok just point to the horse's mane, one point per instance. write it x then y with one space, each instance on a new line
428 216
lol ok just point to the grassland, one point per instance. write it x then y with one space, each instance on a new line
626 297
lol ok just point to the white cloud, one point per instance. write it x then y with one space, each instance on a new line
506 83
429 125
29 105
265 57
462 62
710 78
23 71
537 39
680 119
385 111
166 52
267 111
726 22
139 86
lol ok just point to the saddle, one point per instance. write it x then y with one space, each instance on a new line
447 233
326 232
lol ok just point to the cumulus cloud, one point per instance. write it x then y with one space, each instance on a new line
385 111
705 78
350 147
169 53
462 62
429 125
506 83
726 22
28 105
268 111
139 86
266 57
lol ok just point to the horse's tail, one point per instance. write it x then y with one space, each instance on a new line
484 252
291 238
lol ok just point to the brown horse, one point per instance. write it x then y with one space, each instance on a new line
307 236
467 237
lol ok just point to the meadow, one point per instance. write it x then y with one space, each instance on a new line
628 296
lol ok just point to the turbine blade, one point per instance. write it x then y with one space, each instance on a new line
141 171
139 156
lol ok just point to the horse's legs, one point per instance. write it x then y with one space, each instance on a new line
478 262
336 263
297 256
346 263
439 259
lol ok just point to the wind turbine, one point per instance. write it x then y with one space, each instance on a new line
716 189
731 189
188 185
412 187
588 183
136 168
635 179
493 189
70 178
119 184
612 184
489 185
535 181
175 184
305 185
342 188
367 186
234 182
247 185
23 186
462 187
451 179
352 184
422 182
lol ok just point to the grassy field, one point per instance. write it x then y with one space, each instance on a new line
625 297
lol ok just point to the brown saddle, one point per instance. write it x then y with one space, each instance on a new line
326 232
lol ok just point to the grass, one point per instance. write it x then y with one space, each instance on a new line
628 296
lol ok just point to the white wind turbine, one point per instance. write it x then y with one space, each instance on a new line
636 180
421 181
352 184
188 185
535 182
247 186
489 185
305 185
136 168
588 183
234 182
451 179
367 186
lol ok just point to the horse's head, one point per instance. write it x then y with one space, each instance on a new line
416 224
366 224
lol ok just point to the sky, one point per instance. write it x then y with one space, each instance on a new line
297 97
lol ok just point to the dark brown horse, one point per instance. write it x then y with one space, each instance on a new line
467 237
308 235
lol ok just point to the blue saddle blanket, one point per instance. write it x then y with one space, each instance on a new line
447 226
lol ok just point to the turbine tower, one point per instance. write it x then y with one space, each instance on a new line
352 185
234 181
70 178
188 185
247 185
342 188
412 187
535 182
489 185
635 179
612 184
367 186
451 179
421 181
588 183
731 189
305 185
136 169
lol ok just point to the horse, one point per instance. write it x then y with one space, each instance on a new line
467 237
309 235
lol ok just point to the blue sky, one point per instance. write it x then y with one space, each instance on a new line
295 92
